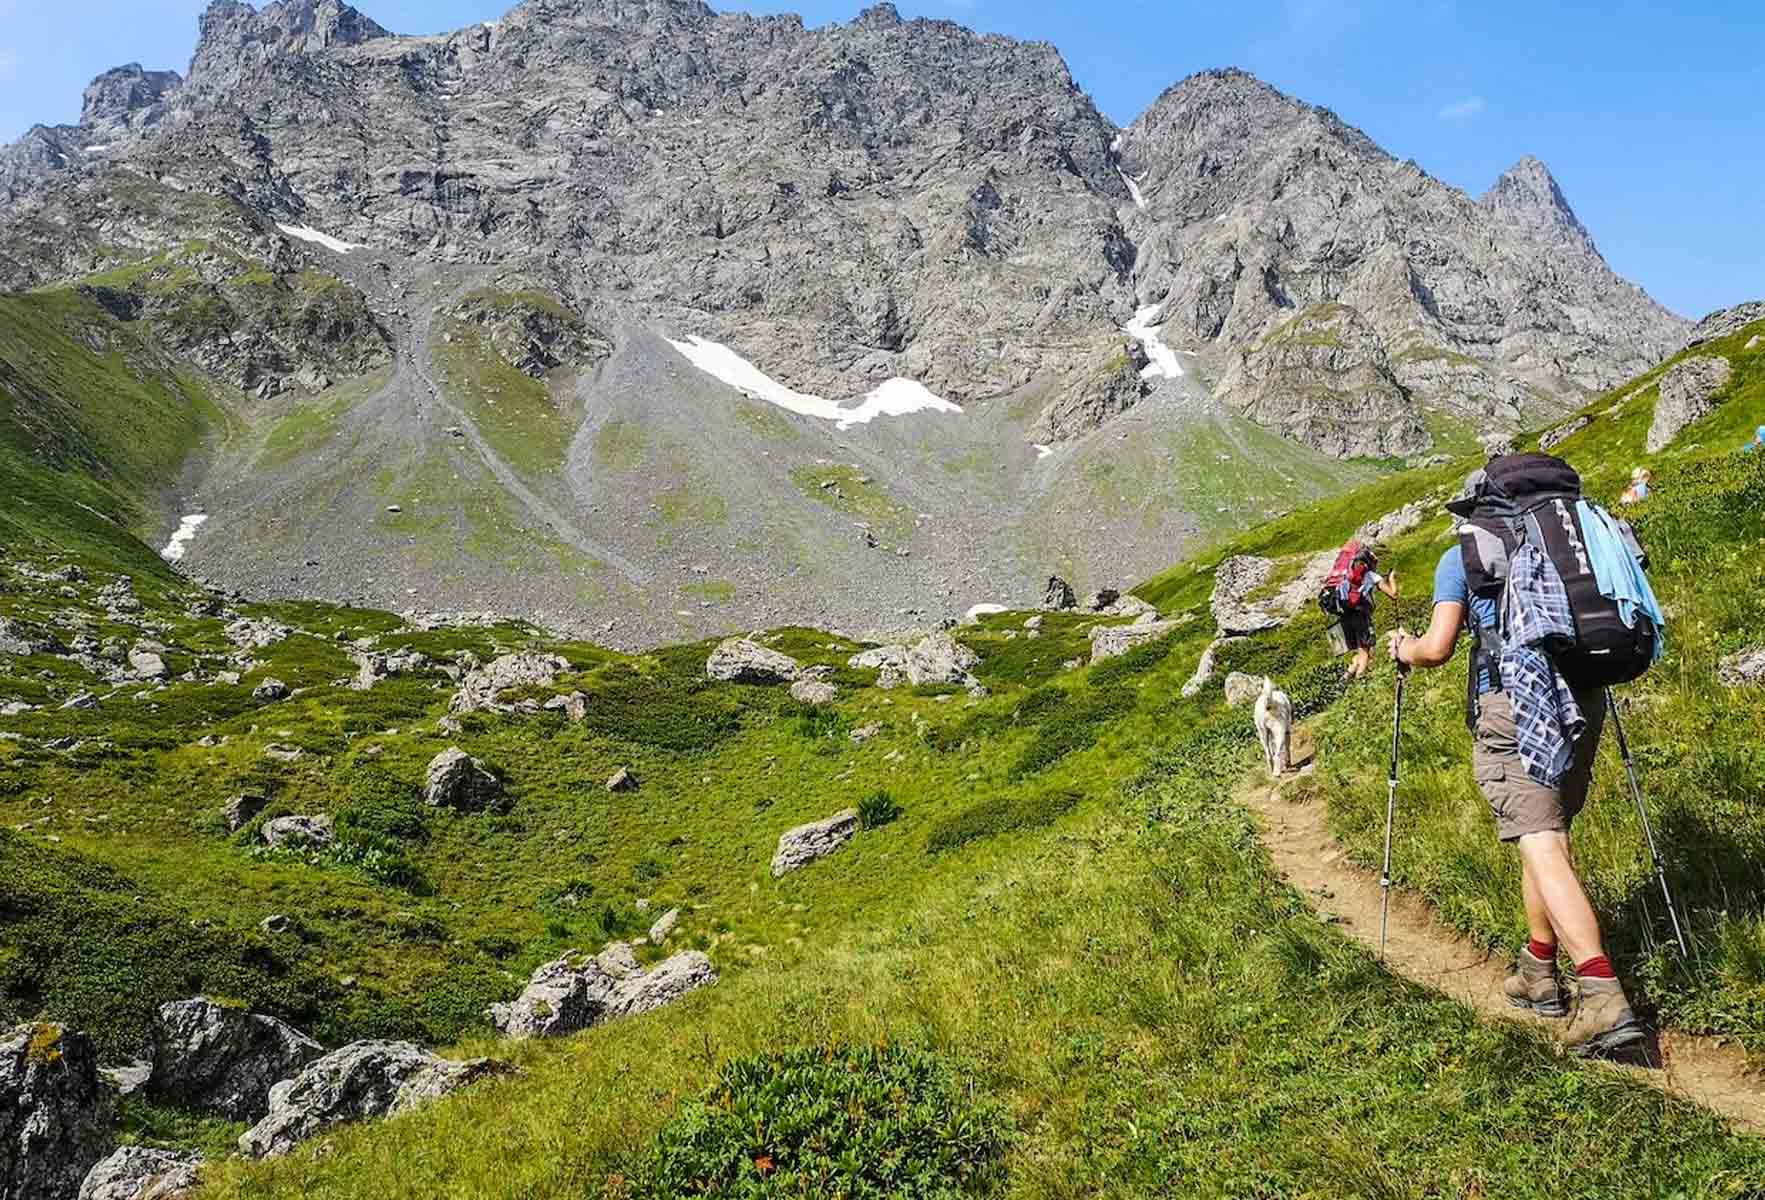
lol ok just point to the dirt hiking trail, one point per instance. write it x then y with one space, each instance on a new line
1420 948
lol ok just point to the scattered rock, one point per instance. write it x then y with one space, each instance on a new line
574 707
316 830
56 1112
739 660
250 633
1743 668
372 667
147 665
816 693
1689 393
362 1080
270 691
1497 445
803 845
1235 579
1116 640
1562 433
282 752
1102 599
1034 624
1241 689
578 992
1380 532
223 1060
622 781
1058 596
143 1173
1754 342
664 926
1130 606
864 733
239 811
940 659
458 781
481 687
277 924
889 662
85 700
18 640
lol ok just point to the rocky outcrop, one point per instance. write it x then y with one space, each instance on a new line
1725 321
55 1112
270 691
1689 393
223 1060
372 667
1097 389
249 633
1323 379
297 831
532 331
664 926
362 1080
1743 668
939 659
1113 641
143 1173
579 991
817 693
1058 596
799 847
480 688
20 639
126 99
1382 531
456 780
1235 579
1204 669
739 660
1562 433
889 662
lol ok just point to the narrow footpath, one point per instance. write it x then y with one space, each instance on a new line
1422 949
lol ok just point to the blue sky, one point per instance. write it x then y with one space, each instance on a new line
1651 116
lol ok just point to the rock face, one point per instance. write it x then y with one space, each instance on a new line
456 780
480 688
803 845
55 1112
315 830
223 1060
362 1080
1116 640
1689 392
1723 322
1743 668
1235 579
577 992
142 1173
739 660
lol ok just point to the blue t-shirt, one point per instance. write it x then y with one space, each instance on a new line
1451 587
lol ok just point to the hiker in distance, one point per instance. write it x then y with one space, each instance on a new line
1356 594
1536 735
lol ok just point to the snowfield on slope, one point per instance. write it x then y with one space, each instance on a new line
308 234
1144 329
174 549
896 398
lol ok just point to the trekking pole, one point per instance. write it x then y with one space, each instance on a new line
1403 676
1648 831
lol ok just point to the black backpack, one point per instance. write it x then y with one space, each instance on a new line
1531 499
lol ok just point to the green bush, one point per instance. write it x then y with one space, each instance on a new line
688 715
861 1123
1004 814
381 806
878 809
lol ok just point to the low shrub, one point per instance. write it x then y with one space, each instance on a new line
1005 814
1076 730
878 809
868 1122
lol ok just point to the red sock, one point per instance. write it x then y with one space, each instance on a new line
1543 951
1597 968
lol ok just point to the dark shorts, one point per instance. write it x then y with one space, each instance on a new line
1357 627
1520 804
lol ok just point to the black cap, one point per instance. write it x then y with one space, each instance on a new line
1476 489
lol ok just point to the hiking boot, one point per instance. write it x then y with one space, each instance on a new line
1603 1023
1535 986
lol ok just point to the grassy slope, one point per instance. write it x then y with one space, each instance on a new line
1160 1015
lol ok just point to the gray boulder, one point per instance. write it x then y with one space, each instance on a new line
1058 596
1235 579
1129 606
664 926
1689 393
372 667
1241 689
801 846
20 640
1203 670
1101 600
269 691
143 1173
147 665
239 811
574 707
481 687
362 1080
1743 668
223 1060
622 781
1391 525
56 1112
817 693
940 659
741 660
889 662
250 633
1116 640
310 830
578 992
458 781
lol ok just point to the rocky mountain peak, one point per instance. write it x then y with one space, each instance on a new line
115 97
879 16
1527 195
236 39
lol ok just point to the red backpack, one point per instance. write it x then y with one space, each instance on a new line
1351 568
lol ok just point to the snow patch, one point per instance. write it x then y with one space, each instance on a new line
1042 451
99 149
308 234
1144 329
174 549
895 398
1133 188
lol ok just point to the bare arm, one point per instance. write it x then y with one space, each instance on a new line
1434 648
1388 585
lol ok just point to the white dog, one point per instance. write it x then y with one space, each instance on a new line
1274 727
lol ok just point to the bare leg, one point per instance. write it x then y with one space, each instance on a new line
1550 876
1538 921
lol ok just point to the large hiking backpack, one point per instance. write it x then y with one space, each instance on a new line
1331 596
1531 499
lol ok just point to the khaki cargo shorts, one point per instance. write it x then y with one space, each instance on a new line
1522 805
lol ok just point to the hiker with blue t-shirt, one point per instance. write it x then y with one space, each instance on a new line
1758 442
1535 740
